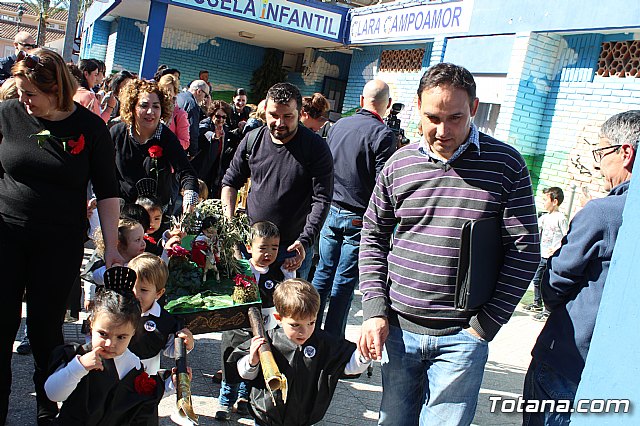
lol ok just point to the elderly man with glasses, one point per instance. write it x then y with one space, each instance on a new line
22 41
573 284
190 101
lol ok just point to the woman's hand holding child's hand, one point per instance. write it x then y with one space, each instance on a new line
92 360
254 353
186 335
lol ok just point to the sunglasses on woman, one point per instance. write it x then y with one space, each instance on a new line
221 117
31 61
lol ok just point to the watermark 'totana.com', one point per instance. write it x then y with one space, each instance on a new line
519 405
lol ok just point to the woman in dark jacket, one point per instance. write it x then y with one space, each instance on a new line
146 148
217 146
51 147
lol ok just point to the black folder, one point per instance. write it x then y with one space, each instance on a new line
481 258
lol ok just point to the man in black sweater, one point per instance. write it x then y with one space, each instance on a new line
291 172
360 146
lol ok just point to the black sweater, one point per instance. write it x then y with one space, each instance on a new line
47 186
291 184
360 145
133 163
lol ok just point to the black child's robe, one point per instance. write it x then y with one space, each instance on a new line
312 371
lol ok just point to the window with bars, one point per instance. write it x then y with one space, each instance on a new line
619 59
407 60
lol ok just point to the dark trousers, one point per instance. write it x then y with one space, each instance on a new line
47 273
537 279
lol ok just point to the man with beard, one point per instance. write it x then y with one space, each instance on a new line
291 170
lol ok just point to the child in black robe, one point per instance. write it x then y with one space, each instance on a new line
265 239
102 382
311 360
156 330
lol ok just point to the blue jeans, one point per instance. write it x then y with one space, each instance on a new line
537 278
337 271
543 383
431 380
230 392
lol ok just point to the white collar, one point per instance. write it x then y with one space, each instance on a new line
258 269
155 310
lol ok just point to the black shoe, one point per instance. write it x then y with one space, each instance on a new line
533 307
47 412
224 413
542 316
24 348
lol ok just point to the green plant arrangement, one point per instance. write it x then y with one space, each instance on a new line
185 277
231 233
268 74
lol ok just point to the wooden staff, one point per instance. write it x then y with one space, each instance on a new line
273 378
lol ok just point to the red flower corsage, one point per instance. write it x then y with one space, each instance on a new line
155 151
150 239
178 251
76 145
245 281
144 384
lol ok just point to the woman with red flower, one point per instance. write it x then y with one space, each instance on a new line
146 148
51 147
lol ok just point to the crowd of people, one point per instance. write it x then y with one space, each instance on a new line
123 154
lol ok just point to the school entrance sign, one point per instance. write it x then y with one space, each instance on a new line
406 22
310 18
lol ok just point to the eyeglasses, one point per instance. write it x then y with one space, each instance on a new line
31 61
600 153
28 45
221 117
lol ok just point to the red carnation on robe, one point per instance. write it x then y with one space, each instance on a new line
155 151
144 384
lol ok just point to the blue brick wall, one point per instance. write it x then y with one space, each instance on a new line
326 64
554 106
94 44
531 73
364 66
128 48
230 64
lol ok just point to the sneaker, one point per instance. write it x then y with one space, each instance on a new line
24 348
533 307
242 406
542 316
224 413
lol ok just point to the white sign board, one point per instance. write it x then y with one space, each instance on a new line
411 23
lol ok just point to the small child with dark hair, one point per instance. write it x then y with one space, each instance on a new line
265 239
313 360
553 226
155 333
103 382
153 233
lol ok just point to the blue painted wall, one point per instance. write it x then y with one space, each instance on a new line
493 60
329 64
94 43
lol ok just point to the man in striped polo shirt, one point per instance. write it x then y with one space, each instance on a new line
434 354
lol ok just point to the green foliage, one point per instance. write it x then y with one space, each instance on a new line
185 278
230 233
202 301
268 74
45 9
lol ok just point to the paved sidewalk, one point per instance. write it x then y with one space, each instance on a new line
355 402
